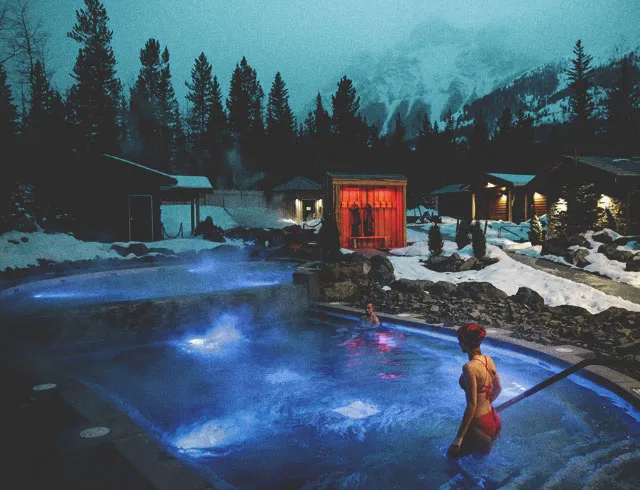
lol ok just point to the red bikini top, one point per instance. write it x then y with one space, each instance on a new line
486 388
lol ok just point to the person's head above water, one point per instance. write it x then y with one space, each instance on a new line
471 335
369 308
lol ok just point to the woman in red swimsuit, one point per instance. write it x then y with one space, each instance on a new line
480 424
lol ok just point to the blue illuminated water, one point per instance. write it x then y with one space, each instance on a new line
146 283
324 405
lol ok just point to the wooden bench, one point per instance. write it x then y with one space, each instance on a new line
373 237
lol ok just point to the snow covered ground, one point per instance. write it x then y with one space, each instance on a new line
507 275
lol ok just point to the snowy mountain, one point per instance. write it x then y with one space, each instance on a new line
543 94
441 67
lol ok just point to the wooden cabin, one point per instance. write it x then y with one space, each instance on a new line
370 210
505 197
615 180
493 196
299 199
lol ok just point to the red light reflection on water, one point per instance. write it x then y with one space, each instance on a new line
384 342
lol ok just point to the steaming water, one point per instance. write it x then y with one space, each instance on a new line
153 282
324 405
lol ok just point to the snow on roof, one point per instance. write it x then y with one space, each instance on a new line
451 189
137 165
516 179
299 184
191 182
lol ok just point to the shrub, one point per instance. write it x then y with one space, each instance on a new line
435 242
478 240
535 230
463 237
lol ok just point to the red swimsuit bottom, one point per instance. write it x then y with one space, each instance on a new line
489 423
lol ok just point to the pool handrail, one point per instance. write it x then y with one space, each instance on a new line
599 361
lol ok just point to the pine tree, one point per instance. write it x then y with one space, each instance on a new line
146 110
44 124
317 134
463 232
580 98
535 230
281 129
346 105
96 90
435 241
200 95
244 106
479 143
478 240
245 101
281 124
623 124
8 112
169 111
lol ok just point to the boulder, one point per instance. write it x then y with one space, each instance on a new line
555 246
480 291
633 264
443 288
569 311
469 264
339 291
612 253
579 240
602 237
444 263
382 270
577 257
529 297
408 286
138 249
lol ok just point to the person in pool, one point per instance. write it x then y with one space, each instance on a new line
480 424
369 319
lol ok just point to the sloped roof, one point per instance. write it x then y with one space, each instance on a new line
629 167
173 180
191 182
299 184
516 179
367 176
451 189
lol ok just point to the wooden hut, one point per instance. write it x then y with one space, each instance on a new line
370 210
616 182
112 199
506 197
188 189
299 199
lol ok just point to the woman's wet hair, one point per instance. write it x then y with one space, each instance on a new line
472 334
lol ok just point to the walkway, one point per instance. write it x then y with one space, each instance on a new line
604 284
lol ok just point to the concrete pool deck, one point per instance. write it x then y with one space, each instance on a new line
45 427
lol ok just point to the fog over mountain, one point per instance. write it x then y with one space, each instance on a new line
436 51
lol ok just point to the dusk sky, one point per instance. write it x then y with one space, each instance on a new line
310 43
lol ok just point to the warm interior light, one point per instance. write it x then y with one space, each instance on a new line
537 195
503 197
604 202
489 185
503 188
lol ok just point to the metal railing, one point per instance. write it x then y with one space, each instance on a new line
506 229
561 375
